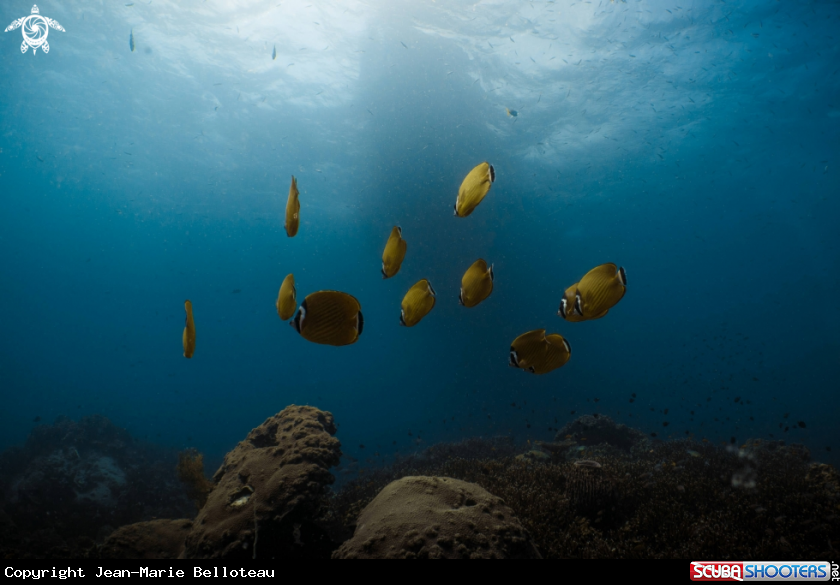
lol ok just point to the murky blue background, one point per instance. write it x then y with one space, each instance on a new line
694 143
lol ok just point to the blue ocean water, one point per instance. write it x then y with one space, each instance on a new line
694 143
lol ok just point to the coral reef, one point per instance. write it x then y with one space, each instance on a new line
674 499
73 482
606 491
191 474
269 491
437 517
157 539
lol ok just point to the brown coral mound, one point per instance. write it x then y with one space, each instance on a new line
437 517
269 490
157 539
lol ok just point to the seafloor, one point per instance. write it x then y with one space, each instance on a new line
87 489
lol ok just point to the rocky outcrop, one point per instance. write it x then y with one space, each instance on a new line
73 481
437 517
598 430
269 491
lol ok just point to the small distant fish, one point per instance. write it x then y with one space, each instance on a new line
693 453
476 284
474 188
418 301
286 302
36 419
274 53
236 291
394 253
587 463
512 113
132 4
131 40
293 210
188 337
329 317
403 44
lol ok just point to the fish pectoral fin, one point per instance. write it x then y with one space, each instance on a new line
578 304
622 276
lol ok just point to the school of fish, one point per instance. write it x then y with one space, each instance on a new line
335 318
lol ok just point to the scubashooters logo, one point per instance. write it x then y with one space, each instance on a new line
35 29
760 571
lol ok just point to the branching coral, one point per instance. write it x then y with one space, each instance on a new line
191 473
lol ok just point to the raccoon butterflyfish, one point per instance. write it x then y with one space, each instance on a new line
599 290
293 210
131 40
189 331
286 302
539 353
329 317
476 284
394 253
474 188
511 113
417 302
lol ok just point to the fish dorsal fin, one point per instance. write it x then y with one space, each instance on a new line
603 271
